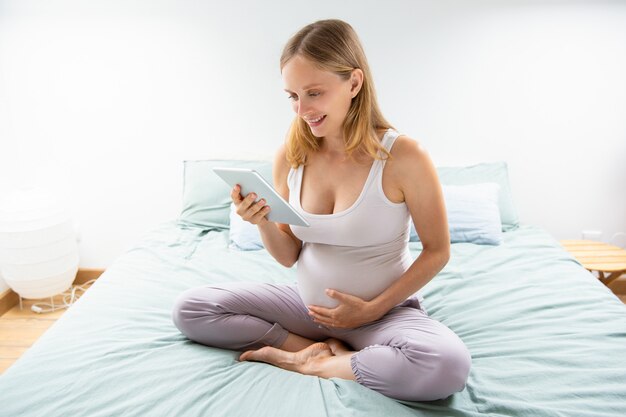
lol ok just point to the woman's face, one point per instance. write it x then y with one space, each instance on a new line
322 98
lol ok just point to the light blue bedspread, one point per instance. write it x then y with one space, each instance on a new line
546 338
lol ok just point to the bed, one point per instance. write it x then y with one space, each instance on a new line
546 338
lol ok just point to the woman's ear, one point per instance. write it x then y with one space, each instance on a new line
356 81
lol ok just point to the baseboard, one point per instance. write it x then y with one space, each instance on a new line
87 274
9 299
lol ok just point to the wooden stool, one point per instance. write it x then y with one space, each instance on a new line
598 256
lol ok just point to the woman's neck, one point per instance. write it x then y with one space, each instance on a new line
335 146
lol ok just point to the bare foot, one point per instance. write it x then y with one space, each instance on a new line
337 347
300 361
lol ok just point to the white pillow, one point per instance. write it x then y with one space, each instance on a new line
473 213
473 217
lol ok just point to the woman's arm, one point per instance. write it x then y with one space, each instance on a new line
277 238
417 177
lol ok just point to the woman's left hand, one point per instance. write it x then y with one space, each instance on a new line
351 312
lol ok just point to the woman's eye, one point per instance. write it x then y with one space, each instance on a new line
294 97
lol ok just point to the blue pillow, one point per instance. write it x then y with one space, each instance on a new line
206 197
481 173
244 235
473 214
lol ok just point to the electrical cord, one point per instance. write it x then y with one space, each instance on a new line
71 293
616 241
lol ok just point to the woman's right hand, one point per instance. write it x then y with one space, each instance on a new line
249 210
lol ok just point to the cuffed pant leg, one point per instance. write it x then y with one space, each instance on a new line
409 356
412 371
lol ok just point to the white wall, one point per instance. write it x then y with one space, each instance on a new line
103 100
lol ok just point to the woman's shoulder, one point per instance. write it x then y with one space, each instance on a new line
406 149
280 162
409 161
281 167
281 153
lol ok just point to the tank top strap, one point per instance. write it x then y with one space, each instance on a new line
389 139
294 180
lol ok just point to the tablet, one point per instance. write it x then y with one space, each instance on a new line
251 181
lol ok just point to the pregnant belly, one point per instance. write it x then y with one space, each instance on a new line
361 271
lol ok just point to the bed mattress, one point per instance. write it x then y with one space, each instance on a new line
546 339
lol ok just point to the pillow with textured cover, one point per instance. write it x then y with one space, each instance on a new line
206 197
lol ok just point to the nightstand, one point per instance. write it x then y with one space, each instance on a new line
598 256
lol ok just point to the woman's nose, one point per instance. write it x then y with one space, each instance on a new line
301 108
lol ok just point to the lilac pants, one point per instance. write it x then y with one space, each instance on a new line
404 355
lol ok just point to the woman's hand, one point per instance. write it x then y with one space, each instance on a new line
249 210
351 312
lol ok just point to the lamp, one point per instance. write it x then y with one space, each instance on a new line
38 248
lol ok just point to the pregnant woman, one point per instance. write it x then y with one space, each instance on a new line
355 312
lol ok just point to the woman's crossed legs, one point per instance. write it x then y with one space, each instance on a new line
404 355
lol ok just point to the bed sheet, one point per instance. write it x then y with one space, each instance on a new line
546 338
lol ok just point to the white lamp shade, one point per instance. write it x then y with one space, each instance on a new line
41 235
35 253
43 287
38 250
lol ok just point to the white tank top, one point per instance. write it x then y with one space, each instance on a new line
361 250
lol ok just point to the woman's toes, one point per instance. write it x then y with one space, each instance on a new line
255 355
271 355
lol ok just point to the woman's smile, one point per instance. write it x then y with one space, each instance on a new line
316 122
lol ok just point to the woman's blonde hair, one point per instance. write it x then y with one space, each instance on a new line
333 45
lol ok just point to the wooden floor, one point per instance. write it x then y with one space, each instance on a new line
19 329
